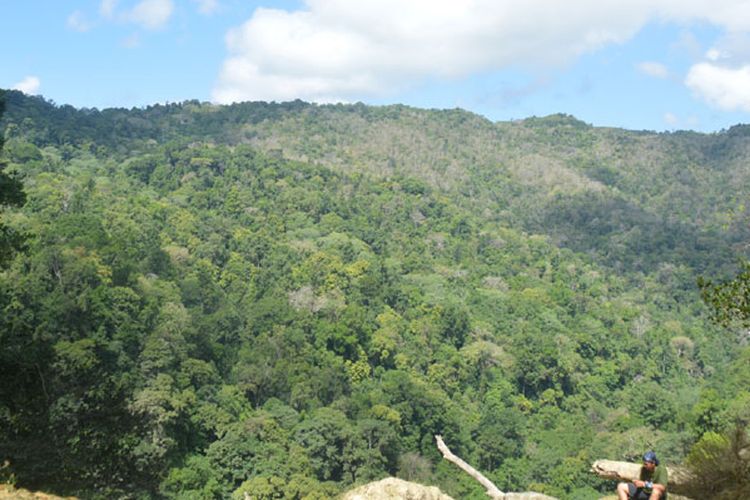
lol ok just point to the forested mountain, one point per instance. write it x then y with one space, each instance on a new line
292 298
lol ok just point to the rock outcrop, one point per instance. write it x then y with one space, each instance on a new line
8 492
392 488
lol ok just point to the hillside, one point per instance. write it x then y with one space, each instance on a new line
625 197
293 299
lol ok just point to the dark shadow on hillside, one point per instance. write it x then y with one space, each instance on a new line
622 235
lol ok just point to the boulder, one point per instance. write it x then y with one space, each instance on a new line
392 488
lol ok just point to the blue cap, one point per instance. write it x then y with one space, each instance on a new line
650 456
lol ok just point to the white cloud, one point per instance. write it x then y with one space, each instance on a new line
344 50
150 14
688 44
107 8
732 48
725 88
732 15
207 6
675 122
29 85
78 22
337 49
713 54
655 69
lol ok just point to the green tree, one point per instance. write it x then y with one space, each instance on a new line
11 195
720 464
195 480
325 437
255 447
499 434
729 300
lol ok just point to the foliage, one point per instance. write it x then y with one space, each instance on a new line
720 464
11 195
290 299
729 300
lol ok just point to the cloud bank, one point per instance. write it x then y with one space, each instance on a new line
339 50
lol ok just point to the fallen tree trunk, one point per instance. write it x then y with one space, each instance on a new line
490 488
679 477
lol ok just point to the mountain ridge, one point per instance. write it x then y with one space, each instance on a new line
525 171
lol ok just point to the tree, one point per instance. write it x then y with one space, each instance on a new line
720 465
255 446
325 436
729 300
11 195
499 434
720 462
197 313
195 480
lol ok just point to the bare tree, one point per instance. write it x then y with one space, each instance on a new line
490 488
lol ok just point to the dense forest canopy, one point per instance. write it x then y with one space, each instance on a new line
292 298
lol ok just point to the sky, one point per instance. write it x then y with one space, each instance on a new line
637 64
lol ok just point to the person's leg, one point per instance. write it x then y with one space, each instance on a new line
634 493
658 495
623 491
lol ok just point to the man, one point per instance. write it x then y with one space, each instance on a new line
651 484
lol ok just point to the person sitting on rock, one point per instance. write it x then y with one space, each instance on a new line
651 484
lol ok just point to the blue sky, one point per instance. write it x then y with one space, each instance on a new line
637 64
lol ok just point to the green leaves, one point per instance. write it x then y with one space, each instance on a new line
199 316
729 300
720 464
11 195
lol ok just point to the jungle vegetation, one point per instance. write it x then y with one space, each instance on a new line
291 299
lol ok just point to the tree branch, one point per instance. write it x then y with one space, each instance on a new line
491 489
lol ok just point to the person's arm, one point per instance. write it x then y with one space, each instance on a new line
660 488
660 481
641 481
657 481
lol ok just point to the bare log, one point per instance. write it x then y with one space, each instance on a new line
617 471
488 485
679 477
490 488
